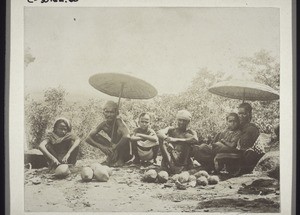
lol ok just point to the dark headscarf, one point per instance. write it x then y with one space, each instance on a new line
63 120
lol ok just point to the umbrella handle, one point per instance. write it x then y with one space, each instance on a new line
120 95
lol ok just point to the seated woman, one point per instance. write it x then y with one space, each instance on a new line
60 145
227 140
246 150
224 146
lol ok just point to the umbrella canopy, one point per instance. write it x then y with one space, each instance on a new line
122 86
244 90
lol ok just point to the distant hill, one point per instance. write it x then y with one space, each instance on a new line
73 97
81 98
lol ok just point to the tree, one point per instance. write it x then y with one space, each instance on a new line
41 114
265 69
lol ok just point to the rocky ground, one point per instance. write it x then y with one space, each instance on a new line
127 193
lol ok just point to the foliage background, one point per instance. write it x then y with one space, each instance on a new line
208 110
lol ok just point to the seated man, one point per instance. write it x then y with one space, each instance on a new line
144 141
60 145
249 135
111 136
175 143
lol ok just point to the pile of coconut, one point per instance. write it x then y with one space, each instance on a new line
96 171
182 180
88 173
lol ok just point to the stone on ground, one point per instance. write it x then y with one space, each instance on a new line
269 165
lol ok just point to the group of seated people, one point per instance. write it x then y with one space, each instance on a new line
233 149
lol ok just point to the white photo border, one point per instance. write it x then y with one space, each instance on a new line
16 88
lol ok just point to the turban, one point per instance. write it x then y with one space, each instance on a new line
184 114
110 104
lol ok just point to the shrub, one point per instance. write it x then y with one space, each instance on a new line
208 110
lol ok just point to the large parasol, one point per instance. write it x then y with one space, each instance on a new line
244 90
122 86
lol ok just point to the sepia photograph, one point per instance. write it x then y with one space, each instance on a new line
153 109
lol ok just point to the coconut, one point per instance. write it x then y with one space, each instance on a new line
202 181
150 176
108 169
214 179
86 174
192 183
162 177
175 177
95 165
192 178
184 177
101 174
180 186
201 173
62 171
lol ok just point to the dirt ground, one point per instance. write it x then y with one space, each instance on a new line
125 192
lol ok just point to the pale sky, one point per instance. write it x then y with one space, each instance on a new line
164 46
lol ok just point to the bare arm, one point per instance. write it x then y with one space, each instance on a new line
95 131
44 150
151 137
122 127
92 135
75 144
148 137
134 136
191 139
162 134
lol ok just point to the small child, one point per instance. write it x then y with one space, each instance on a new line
144 141
60 145
227 140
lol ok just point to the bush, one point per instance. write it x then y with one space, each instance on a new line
39 115
208 110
